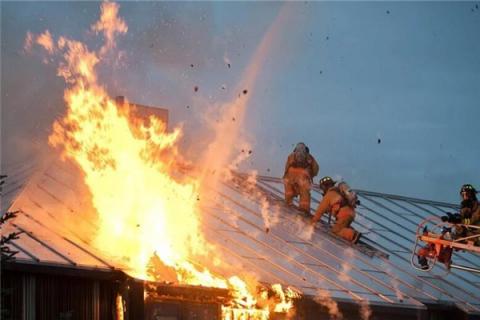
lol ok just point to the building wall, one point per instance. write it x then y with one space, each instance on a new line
53 296
11 296
31 296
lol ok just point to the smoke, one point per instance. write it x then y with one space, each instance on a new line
324 298
296 224
346 267
244 151
274 215
233 217
27 45
270 214
344 273
395 283
228 131
265 205
365 311
306 231
219 153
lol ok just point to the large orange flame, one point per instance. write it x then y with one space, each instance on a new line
143 208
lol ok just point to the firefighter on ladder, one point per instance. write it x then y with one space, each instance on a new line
469 215
470 210
300 169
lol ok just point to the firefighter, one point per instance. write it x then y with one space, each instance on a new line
470 209
344 212
441 253
300 169
429 251
469 215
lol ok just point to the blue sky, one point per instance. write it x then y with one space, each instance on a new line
340 76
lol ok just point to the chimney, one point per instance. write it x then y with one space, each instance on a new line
119 100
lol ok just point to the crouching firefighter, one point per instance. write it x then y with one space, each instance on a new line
300 169
340 202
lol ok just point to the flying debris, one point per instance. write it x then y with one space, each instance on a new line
2 181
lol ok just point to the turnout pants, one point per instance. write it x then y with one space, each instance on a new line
344 219
297 182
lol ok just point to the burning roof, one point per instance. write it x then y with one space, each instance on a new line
317 265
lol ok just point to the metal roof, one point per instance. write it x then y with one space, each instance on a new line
234 220
390 222
47 206
18 175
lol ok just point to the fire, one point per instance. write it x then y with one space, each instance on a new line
132 191
286 297
45 40
143 208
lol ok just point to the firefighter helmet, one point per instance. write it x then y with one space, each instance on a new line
468 188
326 183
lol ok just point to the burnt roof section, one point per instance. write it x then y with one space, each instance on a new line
279 251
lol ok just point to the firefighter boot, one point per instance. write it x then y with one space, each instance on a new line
423 262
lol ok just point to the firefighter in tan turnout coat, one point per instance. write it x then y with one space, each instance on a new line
335 200
300 169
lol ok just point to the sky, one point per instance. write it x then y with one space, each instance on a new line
385 94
